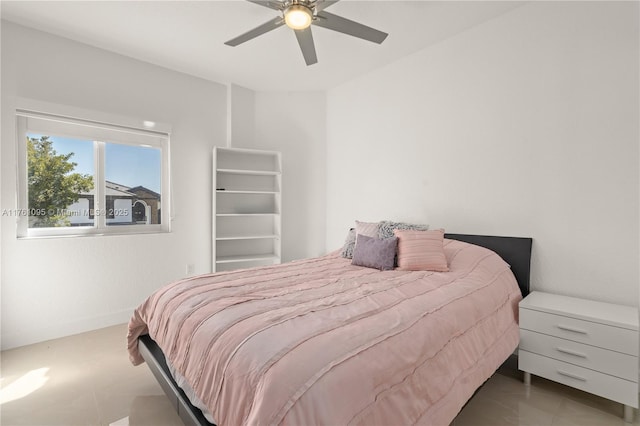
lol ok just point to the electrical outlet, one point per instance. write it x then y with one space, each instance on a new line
190 269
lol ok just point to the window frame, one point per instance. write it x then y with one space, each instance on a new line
100 129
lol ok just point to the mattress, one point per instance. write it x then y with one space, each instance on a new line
321 341
191 395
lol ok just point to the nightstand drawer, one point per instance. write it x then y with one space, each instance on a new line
591 333
614 363
620 390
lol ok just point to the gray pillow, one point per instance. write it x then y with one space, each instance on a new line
386 228
375 253
349 244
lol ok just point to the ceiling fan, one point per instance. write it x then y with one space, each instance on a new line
299 15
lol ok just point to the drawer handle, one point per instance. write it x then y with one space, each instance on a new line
570 352
573 376
573 329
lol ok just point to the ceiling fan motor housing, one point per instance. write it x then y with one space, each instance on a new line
299 15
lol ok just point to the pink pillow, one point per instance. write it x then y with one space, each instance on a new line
421 250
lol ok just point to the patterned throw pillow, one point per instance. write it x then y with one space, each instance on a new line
349 244
421 250
375 253
370 229
386 228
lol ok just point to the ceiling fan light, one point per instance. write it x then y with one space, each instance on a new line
298 17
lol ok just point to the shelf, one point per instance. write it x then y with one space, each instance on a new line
247 237
245 214
246 258
249 172
247 160
232 191
254 183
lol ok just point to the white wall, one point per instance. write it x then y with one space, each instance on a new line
242 116
293 123
55 287
526 125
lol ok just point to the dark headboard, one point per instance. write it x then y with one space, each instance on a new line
515 251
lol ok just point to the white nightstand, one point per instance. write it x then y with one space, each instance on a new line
592 346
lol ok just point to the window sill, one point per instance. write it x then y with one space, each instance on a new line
38 235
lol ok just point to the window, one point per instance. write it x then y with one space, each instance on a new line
82 177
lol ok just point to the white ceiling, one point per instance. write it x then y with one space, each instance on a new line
189 36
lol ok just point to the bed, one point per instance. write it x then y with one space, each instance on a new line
320 341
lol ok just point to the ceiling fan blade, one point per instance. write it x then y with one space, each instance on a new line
347 26
323 4
275 5
305 40
259 30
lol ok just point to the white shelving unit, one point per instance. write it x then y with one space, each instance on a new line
247 207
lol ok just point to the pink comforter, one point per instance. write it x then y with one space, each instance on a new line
320 341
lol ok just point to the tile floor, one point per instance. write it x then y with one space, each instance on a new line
87 380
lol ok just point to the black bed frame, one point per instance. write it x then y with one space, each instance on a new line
514 250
